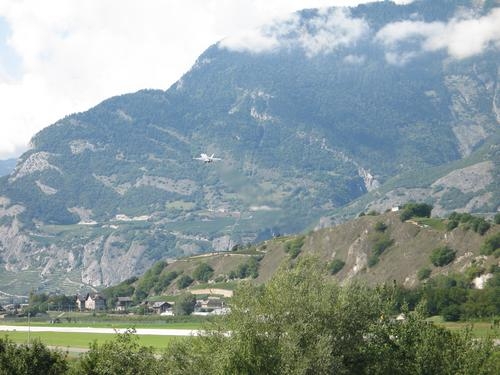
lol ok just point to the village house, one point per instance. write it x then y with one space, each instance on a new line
93 302
80 302
161 307
123 303
209 304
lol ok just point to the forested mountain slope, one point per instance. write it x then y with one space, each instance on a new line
307 115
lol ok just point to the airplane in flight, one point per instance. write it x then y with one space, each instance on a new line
207 159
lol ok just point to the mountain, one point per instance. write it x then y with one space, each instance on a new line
7 166
316 118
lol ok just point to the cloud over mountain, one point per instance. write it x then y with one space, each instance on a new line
328 30
463 36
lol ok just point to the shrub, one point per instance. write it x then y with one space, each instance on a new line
423 273
442 256
381 241
479 225
373 260
491 244
451 313
185 304
34 358
452 224
203 272
184 281
415 210
294 246
335 266
380 226
496 219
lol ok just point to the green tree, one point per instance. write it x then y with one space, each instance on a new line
491 245
185 304
34 358
184 281
496 218
442 256
302 322
203 272
380 226
122 355
415 210
335 266
423 273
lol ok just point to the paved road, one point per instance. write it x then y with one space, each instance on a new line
139 331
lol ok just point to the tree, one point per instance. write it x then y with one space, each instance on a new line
335 266
442 256
185 304
415 210
203 272
423 273
496 218
122 355
184 281
302 322
34 358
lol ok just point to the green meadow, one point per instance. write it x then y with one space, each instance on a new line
65 340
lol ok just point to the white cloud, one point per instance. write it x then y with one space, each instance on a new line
330 29
463 36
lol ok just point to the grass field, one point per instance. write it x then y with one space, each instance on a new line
114 324
82 340
480 329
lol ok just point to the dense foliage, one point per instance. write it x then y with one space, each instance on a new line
30 359
123 355
454 297
442 256
303 323
477 224
203 272
410 210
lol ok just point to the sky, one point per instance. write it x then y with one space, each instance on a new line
58 57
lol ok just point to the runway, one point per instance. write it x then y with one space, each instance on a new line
138 331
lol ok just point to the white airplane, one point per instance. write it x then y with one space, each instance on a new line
207 159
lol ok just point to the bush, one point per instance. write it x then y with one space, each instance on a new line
452 224
423 273
34 358
185 304
294 246
122 355
381 241
373 260
380 226
184 281
496 218
335 266
451 313
491 244
203 272
442 256
300 322
415 210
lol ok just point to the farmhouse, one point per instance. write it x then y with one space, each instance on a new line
161 307
94 302
123 303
